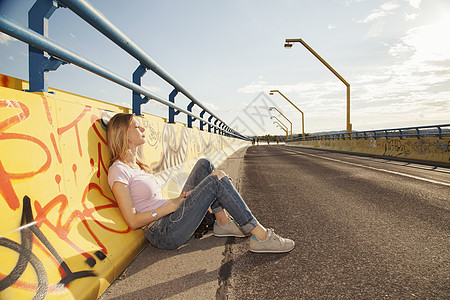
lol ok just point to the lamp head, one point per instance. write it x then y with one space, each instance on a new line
271 108
288 46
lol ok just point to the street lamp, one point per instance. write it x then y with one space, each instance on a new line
271 108
288 45
281 126
303 115
281 123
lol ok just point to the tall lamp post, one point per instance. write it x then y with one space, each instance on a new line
303 115
283 128
281 123
288 45
271 108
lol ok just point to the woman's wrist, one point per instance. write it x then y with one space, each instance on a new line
172 203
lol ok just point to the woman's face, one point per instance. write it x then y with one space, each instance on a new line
136 133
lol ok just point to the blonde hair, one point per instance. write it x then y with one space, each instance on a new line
117 139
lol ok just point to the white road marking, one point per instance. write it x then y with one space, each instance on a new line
378 169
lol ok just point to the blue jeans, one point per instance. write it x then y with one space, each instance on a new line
175 229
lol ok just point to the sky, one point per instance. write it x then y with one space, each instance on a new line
229 54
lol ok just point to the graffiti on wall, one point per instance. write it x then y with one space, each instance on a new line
395 148
59 220
427 148
34 165
26 256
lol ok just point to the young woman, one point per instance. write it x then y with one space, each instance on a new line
169 223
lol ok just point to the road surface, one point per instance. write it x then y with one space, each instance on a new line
365 228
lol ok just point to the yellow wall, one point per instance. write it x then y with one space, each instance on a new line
430 149
61 234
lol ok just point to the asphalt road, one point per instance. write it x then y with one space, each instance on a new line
364 228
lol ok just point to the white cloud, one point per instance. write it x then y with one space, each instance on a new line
373 16
5 39
389 6
401 50
411 17
427 42
414 3
384 10
349 2
322 97
209 105
125 104
376 29
409 91
304 88
72 35
255 87
153 89
332 26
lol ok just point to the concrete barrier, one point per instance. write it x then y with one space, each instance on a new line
430 149
61 233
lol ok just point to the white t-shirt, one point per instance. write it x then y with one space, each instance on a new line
145 188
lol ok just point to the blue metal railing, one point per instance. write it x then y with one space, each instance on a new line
39 65
400 133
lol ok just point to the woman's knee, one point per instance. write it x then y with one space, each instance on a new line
220 174
204 162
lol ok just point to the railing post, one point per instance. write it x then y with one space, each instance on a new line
440 132
189 118
137 100
418 133
201 122
209 126
172 112
215 123
38 63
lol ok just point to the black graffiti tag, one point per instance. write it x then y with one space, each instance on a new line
26 256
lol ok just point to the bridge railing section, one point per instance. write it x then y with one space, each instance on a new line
40 63
419 132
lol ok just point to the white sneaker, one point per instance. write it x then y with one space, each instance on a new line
273 244
230 229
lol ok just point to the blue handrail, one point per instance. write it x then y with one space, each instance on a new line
416 132
34 39
38 42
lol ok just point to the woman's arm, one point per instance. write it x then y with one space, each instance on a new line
135 220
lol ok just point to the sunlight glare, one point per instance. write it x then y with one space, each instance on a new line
431 41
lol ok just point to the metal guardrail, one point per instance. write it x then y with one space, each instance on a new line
39 64
400 133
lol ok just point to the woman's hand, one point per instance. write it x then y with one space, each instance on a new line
185 194
135 220
176 202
